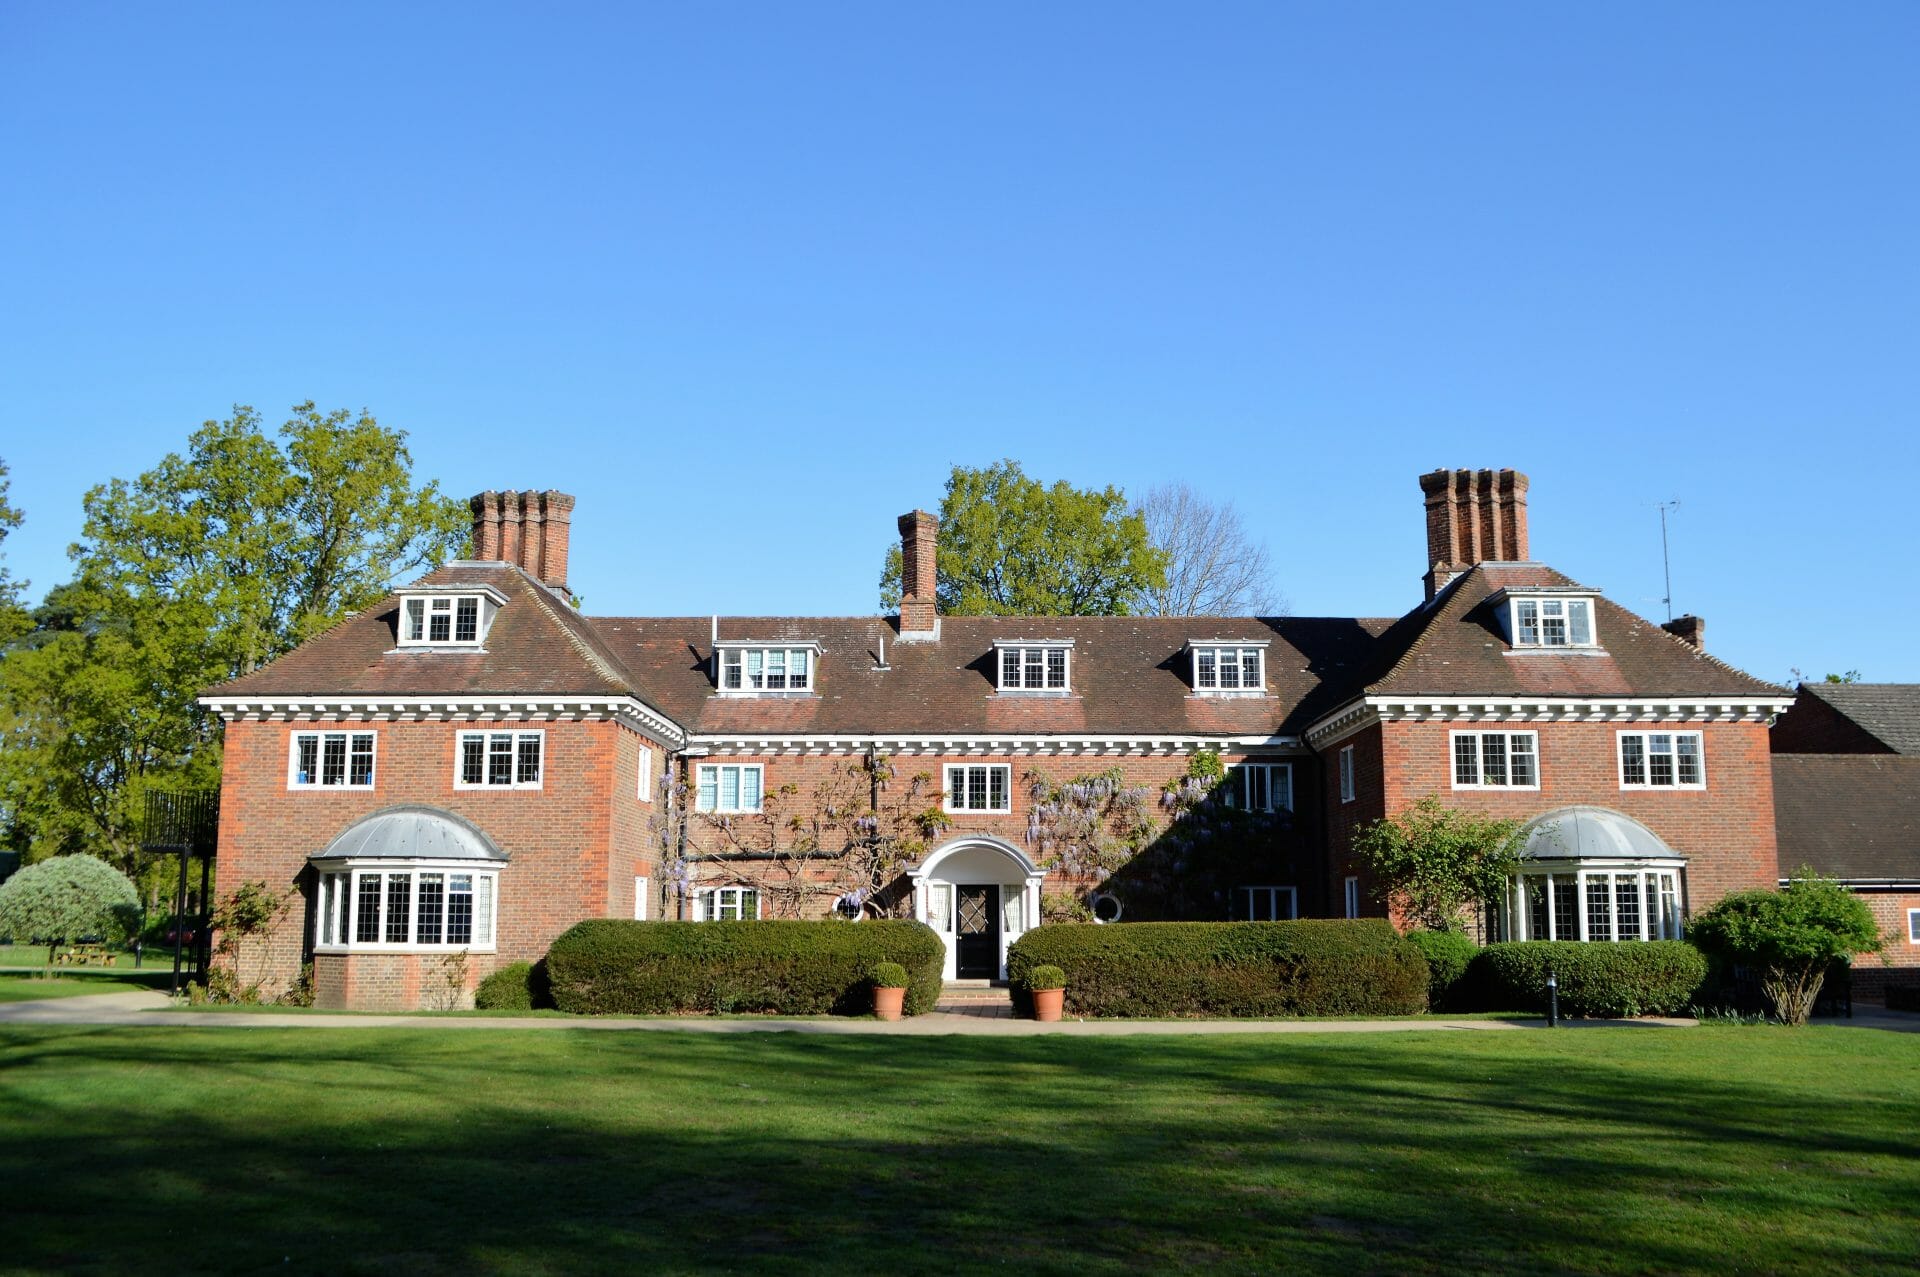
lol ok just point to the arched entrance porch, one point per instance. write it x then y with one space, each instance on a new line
979 895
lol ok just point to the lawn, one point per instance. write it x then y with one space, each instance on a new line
422 1151
35 955
67 984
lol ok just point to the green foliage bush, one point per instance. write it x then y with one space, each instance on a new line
518 986
1653 977
609 966
1792 936
1448 954
888 975
68 898
1312 967
1046 977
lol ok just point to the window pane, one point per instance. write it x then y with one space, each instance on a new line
976 787
750 788
1010 667
1520 760
730 671
500 759
1579 621
729 789
1250 667
956 787
466 625
1599 915
326 908
797 668
1633 760
483 909
528 772
749 904
1466 760
333 759
756 669
307 749
1282 788
439 622
997 787
1253 781
367 929
1493 758
459 908
1056 667
1534 891
361 772
473 760
399 887
1566 909
432 906
776 671
1660 759
416 620
1204 668
1626 905
707 796
1687 748
1528 614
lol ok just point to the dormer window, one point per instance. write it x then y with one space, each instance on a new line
1035 666
1550 621
752 669
447 618
1224 667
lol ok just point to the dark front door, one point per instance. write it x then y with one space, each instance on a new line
977 924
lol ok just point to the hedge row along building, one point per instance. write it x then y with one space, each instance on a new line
452 778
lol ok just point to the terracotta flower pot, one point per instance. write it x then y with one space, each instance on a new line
887 1002
1047 1004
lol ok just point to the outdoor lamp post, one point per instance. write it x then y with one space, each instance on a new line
1553 1000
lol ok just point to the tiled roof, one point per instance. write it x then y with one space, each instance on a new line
1889 712
1852 816
1457 646
1130 675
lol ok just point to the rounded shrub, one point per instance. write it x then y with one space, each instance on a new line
1309 967
1652 977
1447 954
518 986
888 975
1046 977
610 966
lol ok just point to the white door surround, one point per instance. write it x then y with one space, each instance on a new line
977 860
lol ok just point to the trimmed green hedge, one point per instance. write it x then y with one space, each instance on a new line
518 986
1448 954
610 966
1653 977
1310 967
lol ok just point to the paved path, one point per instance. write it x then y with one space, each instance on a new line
153 1010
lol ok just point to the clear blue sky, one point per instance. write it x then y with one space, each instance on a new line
748 279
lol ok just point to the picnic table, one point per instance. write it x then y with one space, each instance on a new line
84 955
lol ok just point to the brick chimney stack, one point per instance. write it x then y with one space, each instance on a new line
1690 630
527 528
919 618
1473 516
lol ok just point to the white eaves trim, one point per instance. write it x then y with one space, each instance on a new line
982 745
635 713
1356 715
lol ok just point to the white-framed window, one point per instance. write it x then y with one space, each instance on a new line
443 620
1552 622
642 892
1222 668
1496 760
730 904
1265 904
500 760
1606 901
1353 896
728 787
1260 787
979 787
331 760
1347 790
1913 926
759 671
646 773
1662 760
417 905
1035 667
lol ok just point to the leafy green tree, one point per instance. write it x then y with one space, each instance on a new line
1791 935
13 617
61 900
1434 860
1012 546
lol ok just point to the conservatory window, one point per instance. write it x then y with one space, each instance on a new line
406 907
1597 904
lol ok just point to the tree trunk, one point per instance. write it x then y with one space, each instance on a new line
1793 991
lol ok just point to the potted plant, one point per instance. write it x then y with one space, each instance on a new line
1048 985
889 989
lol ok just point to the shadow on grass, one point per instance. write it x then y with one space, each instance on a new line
352 1152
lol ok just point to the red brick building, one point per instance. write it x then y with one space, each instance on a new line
453 777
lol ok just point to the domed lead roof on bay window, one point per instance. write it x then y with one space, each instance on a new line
413 833
1590 833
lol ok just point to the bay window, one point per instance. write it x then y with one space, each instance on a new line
419 905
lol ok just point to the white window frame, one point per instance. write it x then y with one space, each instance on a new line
418 612
1214 651
713 899
733 673
1913 926
1647 754
320 737
739 790
337 906
1035 660
642 891
1663 882
1006 788
1244 898
519 736
1565 606
1349 790
1479 738
1352 892
1240 784
646 773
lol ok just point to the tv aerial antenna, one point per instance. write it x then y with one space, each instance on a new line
1666 561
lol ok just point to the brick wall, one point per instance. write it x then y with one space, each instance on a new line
1344 819
1901 965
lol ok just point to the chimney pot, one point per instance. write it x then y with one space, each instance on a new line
530 529
1689 629
1473 516
919 615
